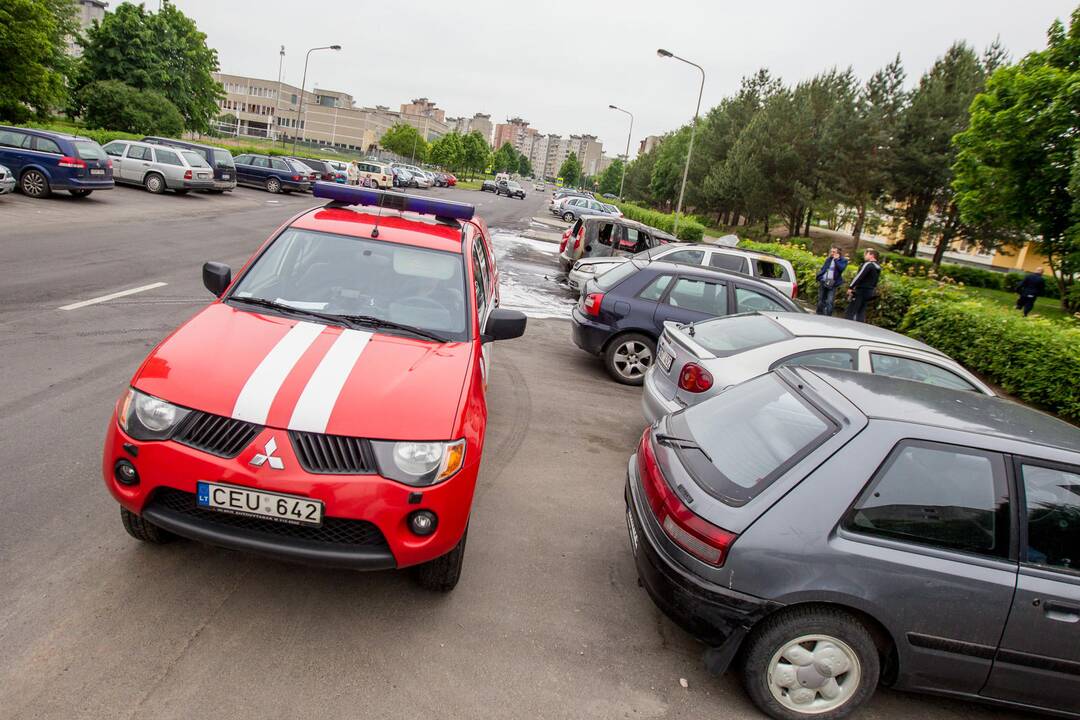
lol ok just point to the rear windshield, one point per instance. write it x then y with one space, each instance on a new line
771 270
738 333
223 158
615 275
89 150
757 432
194 159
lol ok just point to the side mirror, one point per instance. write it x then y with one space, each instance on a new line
503 324
216 277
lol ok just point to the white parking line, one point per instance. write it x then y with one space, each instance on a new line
112 296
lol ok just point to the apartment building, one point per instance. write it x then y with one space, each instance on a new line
86 12
648 144
512 131
479 122
424 108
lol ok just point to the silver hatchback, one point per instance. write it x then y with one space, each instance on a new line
158 168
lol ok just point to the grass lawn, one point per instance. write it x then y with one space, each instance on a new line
1047 307
469 184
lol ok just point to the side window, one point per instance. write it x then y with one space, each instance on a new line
687 257
633 240
167 157
479 288
728 261
606 234
699 295
655 290
943 496
747 300
911 369
280 165
771 270
242 160
46 145
115 149
10 138
260 162
480 252
838 359
137 152
1052 507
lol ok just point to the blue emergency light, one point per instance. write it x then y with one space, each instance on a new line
346 195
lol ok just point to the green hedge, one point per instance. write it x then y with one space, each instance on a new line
1035 359
689 229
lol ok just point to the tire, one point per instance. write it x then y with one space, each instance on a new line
628 356
80 193
33 183
829 637
181 191
273 185
375 185
568 216
154 183
144 530
442 573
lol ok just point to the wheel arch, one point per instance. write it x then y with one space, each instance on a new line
629 331
43 169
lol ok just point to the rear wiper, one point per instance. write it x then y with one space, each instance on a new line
681 443
283 307
381 323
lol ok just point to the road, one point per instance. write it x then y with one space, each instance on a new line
548 621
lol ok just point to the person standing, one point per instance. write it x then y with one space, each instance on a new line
829 278
863 286
1031 287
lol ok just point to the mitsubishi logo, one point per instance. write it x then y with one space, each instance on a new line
270 448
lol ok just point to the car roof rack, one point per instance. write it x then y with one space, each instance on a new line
445 211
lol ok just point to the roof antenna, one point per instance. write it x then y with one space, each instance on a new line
378 216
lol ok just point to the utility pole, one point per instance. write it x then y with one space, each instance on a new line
300 111
277 100
626 157
686 169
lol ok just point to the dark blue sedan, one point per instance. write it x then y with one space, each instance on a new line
622 312
42 161
273 174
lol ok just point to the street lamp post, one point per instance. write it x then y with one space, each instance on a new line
626 157
300 111
686 170
277 100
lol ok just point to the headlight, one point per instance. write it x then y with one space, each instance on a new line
145 417
589 268
419 463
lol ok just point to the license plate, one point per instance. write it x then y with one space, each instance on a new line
203 176
226 176
665 358
97 171
632 529
259 503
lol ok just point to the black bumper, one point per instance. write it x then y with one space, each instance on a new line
589 336
714 614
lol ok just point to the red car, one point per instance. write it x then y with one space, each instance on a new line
330 406
451 181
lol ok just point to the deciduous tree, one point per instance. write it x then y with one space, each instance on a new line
405 141
476 152
34 63
570 170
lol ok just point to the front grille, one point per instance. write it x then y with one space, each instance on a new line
217 435
335 531
333 454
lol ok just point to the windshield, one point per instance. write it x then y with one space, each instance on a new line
223 158
194 159
343 275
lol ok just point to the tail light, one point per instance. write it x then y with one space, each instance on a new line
701 539
579 237
187 174
295 177
591 304
72 162
694 378
794 288
108 164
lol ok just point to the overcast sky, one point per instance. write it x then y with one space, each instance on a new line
559 64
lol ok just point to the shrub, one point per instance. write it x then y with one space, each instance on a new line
689 229
1032 358
112 104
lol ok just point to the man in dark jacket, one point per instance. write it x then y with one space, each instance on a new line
830 277
1030 287
863 286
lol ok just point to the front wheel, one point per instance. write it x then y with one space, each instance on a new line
628 357
442 573
819 663
375 184
273 185
34 184
144 530
80 193
568 216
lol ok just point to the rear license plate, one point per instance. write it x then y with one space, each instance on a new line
226 176
204 176
259 503
97 171
665 358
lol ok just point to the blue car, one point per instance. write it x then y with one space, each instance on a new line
271 173
622 312
43 161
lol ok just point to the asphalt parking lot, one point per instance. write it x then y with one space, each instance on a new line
547 622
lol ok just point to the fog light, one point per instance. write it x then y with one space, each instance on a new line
423 522
125 473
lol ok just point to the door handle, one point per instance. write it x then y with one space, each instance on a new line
1061 612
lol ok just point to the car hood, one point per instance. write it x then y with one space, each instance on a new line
288 373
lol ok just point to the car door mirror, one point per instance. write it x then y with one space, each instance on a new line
216 277
503 324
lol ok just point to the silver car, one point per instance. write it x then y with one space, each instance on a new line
7 181
159 168
699 361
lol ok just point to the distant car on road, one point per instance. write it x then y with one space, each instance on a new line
510 189
341 168
622 313
273 174
609 196
7 181
696 363
488 186
43 161
826 530
158 168
219 159
539 187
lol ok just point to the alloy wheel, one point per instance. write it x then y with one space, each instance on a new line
814 674
34 184
632 359
273 185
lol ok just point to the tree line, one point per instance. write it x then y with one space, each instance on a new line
979 149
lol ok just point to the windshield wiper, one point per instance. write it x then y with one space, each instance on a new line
284 307
680 443
377 322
